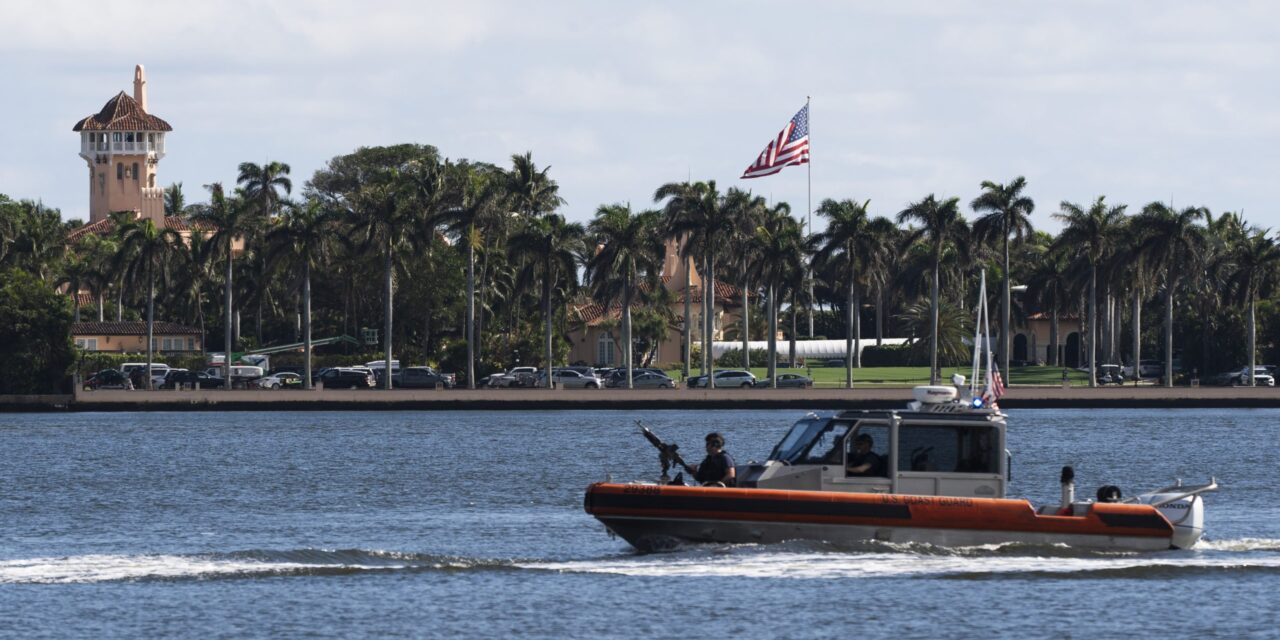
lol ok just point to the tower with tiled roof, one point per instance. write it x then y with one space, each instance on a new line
123 145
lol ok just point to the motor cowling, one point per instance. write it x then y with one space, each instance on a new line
1186 516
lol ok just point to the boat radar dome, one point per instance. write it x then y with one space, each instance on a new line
957 379
926 394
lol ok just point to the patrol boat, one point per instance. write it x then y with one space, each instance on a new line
941 473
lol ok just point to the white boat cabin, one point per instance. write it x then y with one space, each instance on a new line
938 450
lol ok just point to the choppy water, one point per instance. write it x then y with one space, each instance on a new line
471 524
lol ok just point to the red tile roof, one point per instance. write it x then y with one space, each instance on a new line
122 113
137 328
105 225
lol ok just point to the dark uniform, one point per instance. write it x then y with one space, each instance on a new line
859 459
714 467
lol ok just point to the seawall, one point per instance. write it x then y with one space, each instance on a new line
643 399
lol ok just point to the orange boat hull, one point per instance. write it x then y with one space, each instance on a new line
657 516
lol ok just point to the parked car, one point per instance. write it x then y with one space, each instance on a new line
729 378
1261 377
787 381
618 378
422 378
279 380
190 379
516 377
569 379
108 379
346 378
650 380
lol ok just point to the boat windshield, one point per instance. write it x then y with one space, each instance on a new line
799 438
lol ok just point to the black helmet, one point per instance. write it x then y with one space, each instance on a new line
714 438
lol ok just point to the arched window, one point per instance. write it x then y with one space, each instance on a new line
604 349
119 171
135 172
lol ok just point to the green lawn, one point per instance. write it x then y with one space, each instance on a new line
835 376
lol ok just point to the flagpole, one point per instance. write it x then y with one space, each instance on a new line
809 171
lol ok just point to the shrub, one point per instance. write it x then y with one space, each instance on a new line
897 355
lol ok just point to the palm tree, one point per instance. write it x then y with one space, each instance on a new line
384 219
174 201
745 213
479 207
532 192
696 214
780 249
1170 239
264 184
629 247
549 248
231 219
849 241
941 223
1092 234
682 198
304 235
1010 215
146 252
1256 259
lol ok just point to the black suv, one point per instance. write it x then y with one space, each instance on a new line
342 378
190 379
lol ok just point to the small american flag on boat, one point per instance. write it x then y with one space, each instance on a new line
790 147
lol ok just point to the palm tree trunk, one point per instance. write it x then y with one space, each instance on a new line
626 330
1093 326
773 338
306 325
848 333
227 348
709 323
151 322
1005 329
1168 329
687 328
857 329
390 292
75 297
1137 333
1054 358
933 334
471 314
791 352
746 323
100 302
879 316
1253 337
546 310
120 301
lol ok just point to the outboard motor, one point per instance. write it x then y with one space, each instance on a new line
1183 507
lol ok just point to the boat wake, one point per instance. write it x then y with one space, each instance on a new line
798 560
233 565
809 560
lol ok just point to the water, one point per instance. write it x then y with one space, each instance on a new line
471 524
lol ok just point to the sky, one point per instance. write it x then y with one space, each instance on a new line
1138 101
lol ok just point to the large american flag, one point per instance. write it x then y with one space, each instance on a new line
790 147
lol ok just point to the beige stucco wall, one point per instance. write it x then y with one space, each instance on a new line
137 344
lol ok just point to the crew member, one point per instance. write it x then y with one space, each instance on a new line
862 460
717 467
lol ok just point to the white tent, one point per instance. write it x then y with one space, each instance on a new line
819 349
